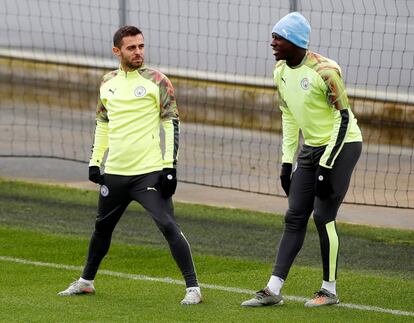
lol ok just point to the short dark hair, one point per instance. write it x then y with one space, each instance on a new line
124 32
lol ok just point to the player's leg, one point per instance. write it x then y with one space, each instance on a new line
325 212
162 211
301 197
113 200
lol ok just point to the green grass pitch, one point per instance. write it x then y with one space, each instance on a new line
44 234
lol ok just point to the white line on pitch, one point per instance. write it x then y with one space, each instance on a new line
209 286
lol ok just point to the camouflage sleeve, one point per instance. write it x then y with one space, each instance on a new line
100 143
101 113
337 98
336 92
170 122
168 103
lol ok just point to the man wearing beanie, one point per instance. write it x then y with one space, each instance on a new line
313 102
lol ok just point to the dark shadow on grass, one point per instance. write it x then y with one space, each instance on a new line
214 236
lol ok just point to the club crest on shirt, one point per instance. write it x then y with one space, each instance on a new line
305 84
140 91
104 190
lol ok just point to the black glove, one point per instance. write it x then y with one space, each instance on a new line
323 187
285 173
168 182
95 175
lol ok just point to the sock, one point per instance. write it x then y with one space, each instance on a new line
329 286
275 284
89 282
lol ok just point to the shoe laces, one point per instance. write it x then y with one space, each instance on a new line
72 286
192 292
262 293
77 284
321 293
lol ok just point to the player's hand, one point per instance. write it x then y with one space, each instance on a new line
95 175
323 186
285 173
168 182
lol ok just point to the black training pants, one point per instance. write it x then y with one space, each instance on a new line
115 195
302 201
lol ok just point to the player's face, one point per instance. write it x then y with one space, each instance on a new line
131 53
282 48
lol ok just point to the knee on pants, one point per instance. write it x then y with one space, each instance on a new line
295 220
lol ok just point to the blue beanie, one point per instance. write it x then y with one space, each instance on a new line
295 28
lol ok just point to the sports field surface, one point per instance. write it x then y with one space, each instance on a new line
44 235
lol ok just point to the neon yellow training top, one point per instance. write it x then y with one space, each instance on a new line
130 109
313 99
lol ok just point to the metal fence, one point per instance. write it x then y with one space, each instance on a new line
217 53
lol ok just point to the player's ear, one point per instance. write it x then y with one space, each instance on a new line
116 51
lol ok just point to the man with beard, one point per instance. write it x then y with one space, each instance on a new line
134 102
